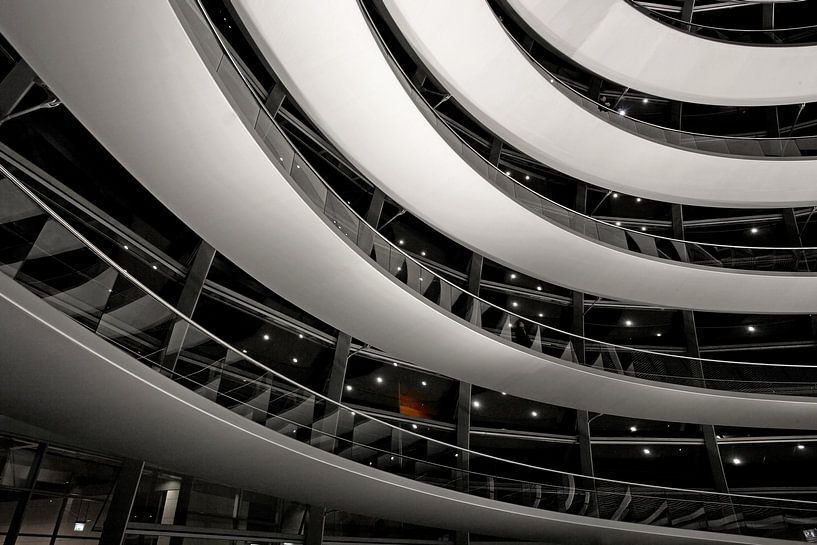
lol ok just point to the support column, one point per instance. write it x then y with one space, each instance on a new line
275 99
687 10
693 350
189 298
495 152
313 529
473 311
15 86
419 78
124 494
20 510
326 415
464 442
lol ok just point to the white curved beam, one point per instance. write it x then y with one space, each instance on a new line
481 66
616 41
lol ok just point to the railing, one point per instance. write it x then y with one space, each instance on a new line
41 250
790 379
789 36
782 259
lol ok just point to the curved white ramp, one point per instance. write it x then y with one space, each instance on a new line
616 41
480 65
60 376
372 120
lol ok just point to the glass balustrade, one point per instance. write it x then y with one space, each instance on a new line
41 250
785 36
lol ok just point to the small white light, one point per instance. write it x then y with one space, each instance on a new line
633 429
551 80
638 199
294 360
348 387
352 413
456 454
507 173
379 380
424 383
79 526
394 363
297 166
541 315
628 323
421 279
622 112
513 276
266 337
643 228
391 458
244 351
414 426
503 393
646 451
658 334
423 253
399 268
534 414
751 329
645 100
155 268
300 335
737 461
753 230
801 447
538 288
618 224
527 177
126 247
476 404
514 304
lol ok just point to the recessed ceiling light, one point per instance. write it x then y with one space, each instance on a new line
646 451
628 323
541 315
379 380
300 335
424 383
507 173
348 387
352 413
737 461
513 276
622 112
638 199
658 334
618 224
643 228
514 304
126 247
645 100
401 242
801 447
753 230
414 426
423 253
155 268
294 360
527 177
751 329
534 414
615 195
244 351
266 337
633 429
538 288
476 404
503 393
